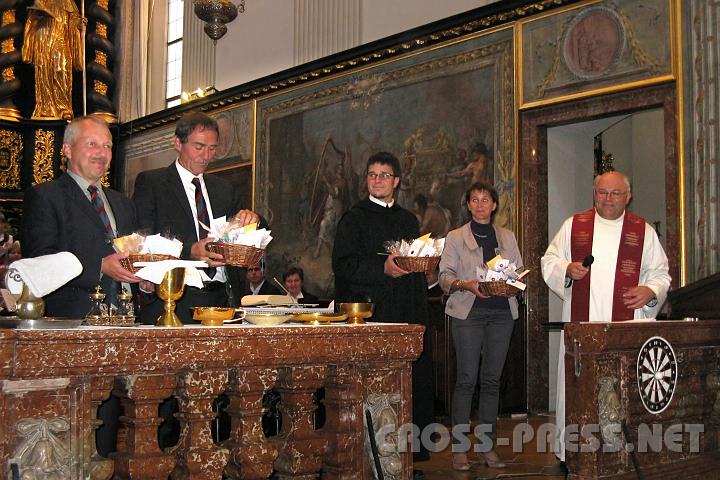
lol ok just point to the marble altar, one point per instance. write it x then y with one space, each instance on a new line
52 381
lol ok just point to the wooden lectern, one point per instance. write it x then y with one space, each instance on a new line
700 299
643 399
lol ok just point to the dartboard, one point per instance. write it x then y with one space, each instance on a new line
656 374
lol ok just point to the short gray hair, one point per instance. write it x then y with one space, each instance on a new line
624 177
73 128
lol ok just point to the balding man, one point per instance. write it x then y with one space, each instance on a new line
76 214
628 278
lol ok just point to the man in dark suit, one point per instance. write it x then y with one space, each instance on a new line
61 216
75 213
257 284
174 200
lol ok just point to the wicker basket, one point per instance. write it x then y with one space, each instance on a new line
418 264
237 255
128 262
498 288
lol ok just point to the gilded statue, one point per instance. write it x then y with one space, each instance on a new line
53 44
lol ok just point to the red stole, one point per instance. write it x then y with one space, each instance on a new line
627 270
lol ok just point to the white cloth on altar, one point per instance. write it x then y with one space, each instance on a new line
44 274
606 242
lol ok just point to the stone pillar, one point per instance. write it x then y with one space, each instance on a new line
139 455
198 457
251 455
97 467
303 447
344 424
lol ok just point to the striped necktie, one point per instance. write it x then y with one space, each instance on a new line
202 211
97 202
203 217
99 205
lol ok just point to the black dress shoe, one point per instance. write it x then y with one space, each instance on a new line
418 475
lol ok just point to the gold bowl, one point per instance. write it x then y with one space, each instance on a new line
357 312
319 318
267 319
213 316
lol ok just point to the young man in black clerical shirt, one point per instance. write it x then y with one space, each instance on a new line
363 275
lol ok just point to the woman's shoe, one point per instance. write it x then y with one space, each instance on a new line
460 462
492 459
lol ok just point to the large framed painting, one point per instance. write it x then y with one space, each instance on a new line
446 113
600 46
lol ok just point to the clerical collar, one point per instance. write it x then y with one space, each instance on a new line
380 202
186 175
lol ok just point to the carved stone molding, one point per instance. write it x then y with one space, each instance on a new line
384 410
43 454
609 413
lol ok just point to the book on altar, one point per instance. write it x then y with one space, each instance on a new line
288 309
256 300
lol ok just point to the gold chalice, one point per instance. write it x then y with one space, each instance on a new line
169 290
356 312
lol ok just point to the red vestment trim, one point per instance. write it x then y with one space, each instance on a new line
627 270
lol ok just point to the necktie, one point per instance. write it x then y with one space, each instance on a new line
99 205
203 217
202 212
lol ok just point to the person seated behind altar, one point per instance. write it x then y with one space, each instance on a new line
257 284
294 280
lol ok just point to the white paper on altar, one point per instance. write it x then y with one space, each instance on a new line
155 271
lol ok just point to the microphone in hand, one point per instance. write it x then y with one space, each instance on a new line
587 261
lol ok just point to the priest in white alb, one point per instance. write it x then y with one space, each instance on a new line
607 264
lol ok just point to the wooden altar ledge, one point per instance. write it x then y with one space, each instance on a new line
52 382
673 428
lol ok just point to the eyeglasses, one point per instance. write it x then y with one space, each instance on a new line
381 176
611 194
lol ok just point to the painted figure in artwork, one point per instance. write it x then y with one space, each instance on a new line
53 44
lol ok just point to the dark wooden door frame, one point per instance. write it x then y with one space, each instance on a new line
532 178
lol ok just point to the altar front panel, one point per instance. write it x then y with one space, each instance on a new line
667 423
52 381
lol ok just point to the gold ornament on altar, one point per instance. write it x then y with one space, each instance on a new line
169 290
53 44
